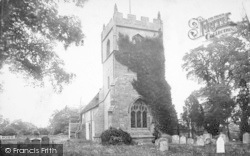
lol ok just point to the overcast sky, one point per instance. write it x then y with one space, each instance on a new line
35 105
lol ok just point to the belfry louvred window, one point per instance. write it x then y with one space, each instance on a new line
108 49
137 38
138 115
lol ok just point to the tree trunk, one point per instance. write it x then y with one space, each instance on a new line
228 132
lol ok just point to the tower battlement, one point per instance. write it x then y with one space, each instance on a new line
131 22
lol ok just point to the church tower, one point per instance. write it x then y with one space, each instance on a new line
118 94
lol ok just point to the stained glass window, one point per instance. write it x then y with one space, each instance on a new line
133 119
139 115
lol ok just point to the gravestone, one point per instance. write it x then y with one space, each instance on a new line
27 141
200 141
207 136
175 139
246 138
225 138
183 140
190 141
157 142
36 141
167 137
220 145
45 140
208 141
163 144
213 141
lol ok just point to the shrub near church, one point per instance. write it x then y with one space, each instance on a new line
114 136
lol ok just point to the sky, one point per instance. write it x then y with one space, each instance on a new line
19 100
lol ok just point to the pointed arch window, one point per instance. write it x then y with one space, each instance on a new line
137 38
138 115
108 82
108 48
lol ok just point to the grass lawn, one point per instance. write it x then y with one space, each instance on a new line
76 147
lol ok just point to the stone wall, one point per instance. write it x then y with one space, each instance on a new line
98 117
123 98
132 22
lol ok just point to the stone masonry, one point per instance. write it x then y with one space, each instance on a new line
117 95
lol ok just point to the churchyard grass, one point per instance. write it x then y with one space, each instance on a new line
76 147
93 149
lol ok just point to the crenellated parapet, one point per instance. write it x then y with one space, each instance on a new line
132 22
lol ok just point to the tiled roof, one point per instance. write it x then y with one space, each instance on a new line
93 103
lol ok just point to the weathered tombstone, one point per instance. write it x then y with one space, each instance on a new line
220 145
167 137
27 141
190 141
200 141
175 139
207 136
225 138
246 138
36 141
45 140
213 141
162 144
183 140
208 141
157 142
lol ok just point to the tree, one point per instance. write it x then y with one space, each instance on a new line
243 100
59 121
43 131
146 59
21 127
242 71
214 65
17 127
193 113
218 107
3 123
28 31
8 131
220 66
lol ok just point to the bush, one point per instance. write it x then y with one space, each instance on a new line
36 133
9 131
26 132
114 136
43 131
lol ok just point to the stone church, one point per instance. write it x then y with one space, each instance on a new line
117 104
